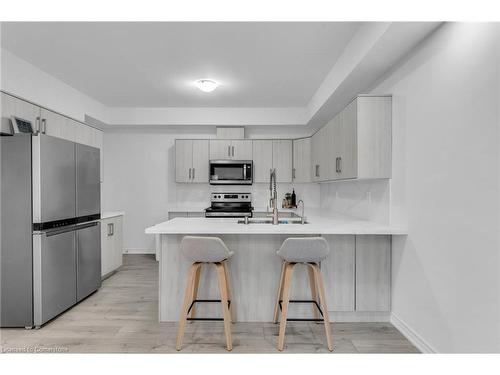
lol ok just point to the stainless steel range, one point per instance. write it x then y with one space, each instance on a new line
230 205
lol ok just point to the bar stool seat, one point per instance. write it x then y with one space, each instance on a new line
201 251
309 251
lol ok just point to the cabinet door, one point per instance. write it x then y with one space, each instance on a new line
326 149
220 149
12 106
52 123
338 273
262 160
200 161
84 134
301 171
282 159
183 160
373 273
69 130
315 155
241 150
345 139
118 242
107 246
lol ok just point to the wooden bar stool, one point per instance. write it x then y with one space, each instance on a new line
309 251
206 250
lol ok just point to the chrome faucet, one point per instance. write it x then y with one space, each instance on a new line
273 196
302 217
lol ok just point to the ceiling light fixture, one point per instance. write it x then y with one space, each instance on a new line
206 85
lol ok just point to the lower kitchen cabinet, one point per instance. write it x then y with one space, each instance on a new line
111 244
357 273
339 273
373 273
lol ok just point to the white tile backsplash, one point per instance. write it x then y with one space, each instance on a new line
198 195
364 199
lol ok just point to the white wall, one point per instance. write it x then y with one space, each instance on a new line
445 188
139 178
23 79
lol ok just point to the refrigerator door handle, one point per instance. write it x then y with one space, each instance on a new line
87 225
54 232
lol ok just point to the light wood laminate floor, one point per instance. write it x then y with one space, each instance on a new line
122 317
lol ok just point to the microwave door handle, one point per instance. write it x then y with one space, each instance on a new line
244 172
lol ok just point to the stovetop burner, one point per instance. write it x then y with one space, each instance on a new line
230 205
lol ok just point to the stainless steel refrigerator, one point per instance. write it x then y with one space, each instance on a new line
50 230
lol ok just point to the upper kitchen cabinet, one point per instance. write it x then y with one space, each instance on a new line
282 159
321 153
262 159
356 144
268 154
235 149
301 171
12 106
191 160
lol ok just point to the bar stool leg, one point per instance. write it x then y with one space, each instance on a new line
196 284
314 294
284 307
229 291
324 308
280 293
187 301
225 309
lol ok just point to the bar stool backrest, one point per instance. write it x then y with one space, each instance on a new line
205 249
304 249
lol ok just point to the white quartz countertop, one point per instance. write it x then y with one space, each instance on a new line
317 225
108 214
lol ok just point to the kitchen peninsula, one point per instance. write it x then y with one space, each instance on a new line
356 273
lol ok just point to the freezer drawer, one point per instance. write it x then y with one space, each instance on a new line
88 259
88 187
54 273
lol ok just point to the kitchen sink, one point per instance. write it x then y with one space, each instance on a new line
269 221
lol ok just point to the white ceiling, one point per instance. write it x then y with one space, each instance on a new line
127 64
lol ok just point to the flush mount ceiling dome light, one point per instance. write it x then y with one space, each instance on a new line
206 85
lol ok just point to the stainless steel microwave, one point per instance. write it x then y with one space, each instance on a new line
231 172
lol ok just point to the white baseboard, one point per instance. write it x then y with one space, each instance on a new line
139 251
411 335
359 316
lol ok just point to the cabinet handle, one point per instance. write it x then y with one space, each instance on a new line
229 151
232 154
44 126
317 170
293 173
340 164
37 130
189 173
193 173
337 164
111 229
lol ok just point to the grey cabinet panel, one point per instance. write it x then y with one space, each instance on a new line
373 273
338 272
88 259
16 258
88 187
